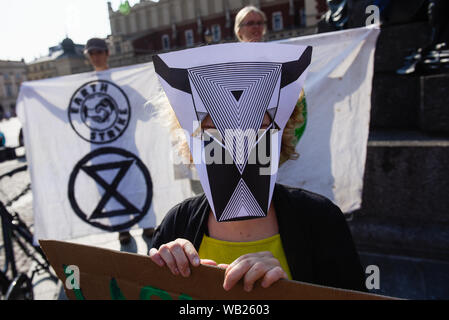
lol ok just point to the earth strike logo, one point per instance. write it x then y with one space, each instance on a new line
99 111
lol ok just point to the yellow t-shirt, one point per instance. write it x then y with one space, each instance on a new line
226 252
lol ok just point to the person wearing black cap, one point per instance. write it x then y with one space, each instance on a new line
98 53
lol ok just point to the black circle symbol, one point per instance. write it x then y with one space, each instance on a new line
99 111
119 164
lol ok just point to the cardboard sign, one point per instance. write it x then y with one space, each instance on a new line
91 273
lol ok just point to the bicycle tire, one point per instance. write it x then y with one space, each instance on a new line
20 288
4 283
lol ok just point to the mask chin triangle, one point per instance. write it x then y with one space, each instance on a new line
242 204
237 94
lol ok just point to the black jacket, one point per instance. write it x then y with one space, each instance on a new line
316 239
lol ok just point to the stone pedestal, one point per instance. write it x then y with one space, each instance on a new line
395 100
405 204
396 41
403 225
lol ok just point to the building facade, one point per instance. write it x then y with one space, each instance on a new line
12 74
152 27
63 59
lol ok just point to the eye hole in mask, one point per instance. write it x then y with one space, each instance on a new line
208 127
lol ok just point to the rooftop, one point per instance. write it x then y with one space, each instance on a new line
67 48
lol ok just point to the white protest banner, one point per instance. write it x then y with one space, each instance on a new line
333 146
99 160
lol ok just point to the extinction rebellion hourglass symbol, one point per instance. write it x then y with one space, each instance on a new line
108 172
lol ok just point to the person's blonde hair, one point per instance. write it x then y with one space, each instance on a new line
241 16
289 137
288 142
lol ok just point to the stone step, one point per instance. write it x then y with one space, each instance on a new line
405 206
392 237
410 102
408 278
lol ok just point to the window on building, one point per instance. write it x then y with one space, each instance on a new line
165 42
118 48
137 22
189 38
277 21
216 33
302 15
117 27
9 93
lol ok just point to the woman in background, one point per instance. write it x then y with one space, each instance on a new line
250 24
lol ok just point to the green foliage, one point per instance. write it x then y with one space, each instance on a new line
125 8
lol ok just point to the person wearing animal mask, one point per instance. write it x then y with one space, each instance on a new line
236 104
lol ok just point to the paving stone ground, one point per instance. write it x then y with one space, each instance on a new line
44 287
10 187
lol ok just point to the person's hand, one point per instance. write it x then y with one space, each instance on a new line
252 267
177 256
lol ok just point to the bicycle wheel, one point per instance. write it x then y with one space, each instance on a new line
4 284
20 289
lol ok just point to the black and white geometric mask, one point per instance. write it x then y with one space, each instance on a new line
248 92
